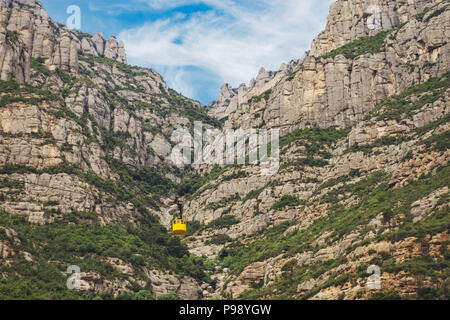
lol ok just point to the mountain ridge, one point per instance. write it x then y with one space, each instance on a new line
86 176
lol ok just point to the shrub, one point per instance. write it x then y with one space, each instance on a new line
235 175
289 266
12 37
440 142
254 194
385 295
11 184
286 201
225 221
265 96
38 65
428 293
144 295
361 46
219 239
170 296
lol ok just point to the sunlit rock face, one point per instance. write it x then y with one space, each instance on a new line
86 166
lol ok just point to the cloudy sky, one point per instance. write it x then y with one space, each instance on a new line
197 45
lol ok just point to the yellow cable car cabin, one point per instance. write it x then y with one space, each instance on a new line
179 226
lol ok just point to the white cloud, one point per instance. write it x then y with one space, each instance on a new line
180 80
232 40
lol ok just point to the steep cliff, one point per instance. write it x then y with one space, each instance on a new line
336 84
30 34
364 167
85 169
86 176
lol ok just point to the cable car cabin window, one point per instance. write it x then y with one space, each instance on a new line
179 226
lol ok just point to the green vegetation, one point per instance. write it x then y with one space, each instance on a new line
235 175
359 188
11 184
68 79
385 295
286 201
41 282
12 37
384 141
289 266
142 295
435 13
265 95
194 226
224 221
147 181
375 197
142 181
302 162
286 286
254 194
88 246
315 140
316 143
14 92
193 183
125 68
333 182
400 106
170 296
186 108
439 142
220 239
79 237
37 64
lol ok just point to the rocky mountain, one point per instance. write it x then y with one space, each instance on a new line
86 177
85 158
358 119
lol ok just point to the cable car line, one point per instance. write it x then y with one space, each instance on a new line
179 225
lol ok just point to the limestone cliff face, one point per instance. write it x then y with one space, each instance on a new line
85 141
352 20
232 98
86 176
338 89
354 203
360 110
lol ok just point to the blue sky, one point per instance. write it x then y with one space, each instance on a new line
197 45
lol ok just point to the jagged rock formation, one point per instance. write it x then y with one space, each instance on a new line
352 20
334 88
322 199
232 98
85 139
29 33
395 98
